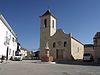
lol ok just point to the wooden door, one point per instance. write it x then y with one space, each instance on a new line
59 54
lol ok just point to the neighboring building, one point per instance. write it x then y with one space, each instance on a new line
24 52
18 46
89 48
8 39
36 54
62 46
96 40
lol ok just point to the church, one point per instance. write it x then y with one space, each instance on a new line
62 46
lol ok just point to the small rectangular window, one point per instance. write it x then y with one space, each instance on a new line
54 45
78 49
9 51
45 22
13 39
52 23
65 43
9 37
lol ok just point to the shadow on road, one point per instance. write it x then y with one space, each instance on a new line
78 63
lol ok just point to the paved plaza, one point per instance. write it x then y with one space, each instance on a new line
38 68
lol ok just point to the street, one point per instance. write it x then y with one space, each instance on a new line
38 68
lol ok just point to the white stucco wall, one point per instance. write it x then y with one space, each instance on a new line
77 49
52 30
23 52
7 33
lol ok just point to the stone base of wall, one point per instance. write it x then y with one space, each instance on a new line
47 59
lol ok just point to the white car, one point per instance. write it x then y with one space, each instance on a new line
87 57
18 57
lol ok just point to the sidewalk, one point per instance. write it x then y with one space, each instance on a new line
23 61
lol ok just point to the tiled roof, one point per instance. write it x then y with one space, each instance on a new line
7 25
48 12
97 35
88 45
23 49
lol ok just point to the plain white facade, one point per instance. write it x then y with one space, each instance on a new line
8 39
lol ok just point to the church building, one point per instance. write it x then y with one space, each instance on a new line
62 46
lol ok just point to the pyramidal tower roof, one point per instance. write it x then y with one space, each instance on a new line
48 12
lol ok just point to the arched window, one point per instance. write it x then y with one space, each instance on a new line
65 43
45 22
54 45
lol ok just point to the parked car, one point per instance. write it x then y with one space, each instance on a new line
87 57
18 57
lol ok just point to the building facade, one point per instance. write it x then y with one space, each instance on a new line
8 39
96 40
24 52
62 45
89 48
94 49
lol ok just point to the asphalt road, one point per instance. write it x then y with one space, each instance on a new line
38 68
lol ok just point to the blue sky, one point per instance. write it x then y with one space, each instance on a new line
79 17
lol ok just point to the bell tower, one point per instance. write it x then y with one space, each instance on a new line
47 29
